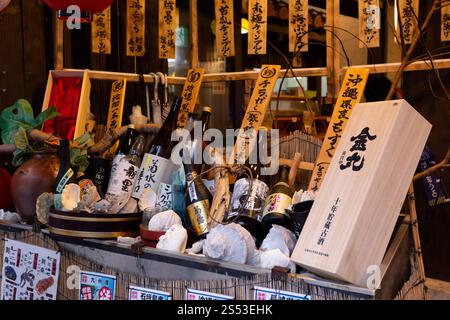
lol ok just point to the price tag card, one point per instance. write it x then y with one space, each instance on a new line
190 94
224 28
351 92
369 23
167 29
409 13
138 293
257 29
136 28
192 294
298 25
272 294
101 32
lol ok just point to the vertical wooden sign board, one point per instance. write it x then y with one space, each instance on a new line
190 94
445 23
254 115
115 112
351 92
257 29
224 28
101 32
409 13
298 25
136 28
369 23
167 28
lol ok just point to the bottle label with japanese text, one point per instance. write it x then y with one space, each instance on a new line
123 179
62 183
198 215
153 171
277 203
164 195
250 205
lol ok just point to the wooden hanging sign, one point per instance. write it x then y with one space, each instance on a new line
369 23
167 29
190 93
351 93
298 25
115 112
136 28
224 28
257 29
256 110
409 14
445 23
101 32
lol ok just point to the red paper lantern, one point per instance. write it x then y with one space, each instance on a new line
88 7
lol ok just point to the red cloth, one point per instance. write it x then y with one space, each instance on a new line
65 97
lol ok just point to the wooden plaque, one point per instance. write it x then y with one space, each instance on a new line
257 29
224 28
167 29
348 229
101 32
409 13
445 23
190 94
298 25
369 14
136 28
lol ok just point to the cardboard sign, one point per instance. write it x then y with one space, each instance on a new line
190 94
167 29
445 23
115 112
298 25
97 286
255 112
101 32
136 28
29 272
351 92
192 294
369 23
138 293
257 29
224 28
260 293
409 14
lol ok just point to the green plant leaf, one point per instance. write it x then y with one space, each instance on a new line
18 157
21 139
20 114
45 115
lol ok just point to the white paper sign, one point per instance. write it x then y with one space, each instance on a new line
192 294
29 272
272 294
138 293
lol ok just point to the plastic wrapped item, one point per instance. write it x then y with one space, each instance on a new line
163 221
279 238
175 239
230 243
9 216
70 197
147 199
273 258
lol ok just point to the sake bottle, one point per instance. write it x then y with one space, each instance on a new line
124 147
198 144
66 174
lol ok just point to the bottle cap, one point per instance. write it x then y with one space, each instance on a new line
207 109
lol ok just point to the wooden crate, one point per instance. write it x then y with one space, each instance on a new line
353 217
83 105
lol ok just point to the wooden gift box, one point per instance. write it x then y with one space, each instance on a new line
353 217
83 104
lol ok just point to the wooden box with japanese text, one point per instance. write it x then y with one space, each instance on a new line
348 229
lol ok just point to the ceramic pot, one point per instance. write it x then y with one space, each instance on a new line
36 176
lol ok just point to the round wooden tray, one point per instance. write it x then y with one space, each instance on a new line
93 225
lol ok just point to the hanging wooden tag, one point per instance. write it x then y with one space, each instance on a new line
167 29
190 94
369 23
136 28
101 32
224 28
409 14
256 110
445 23
298 25
257 29
115 112
351 92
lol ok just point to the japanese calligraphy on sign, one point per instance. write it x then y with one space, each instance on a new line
192 294
101 32
409 13
298 25
97 286
224 28
136 28
351 92
445 23
356 160
369 23
328 222
138 293
257 30
260 293
190 94
255 112
115 111
167 29
29 272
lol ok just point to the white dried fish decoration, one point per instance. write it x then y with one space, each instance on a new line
163 221
175 239
147 199
70 196
43 204
279 238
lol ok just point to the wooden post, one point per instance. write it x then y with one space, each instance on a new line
59 43
333 57
193 25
